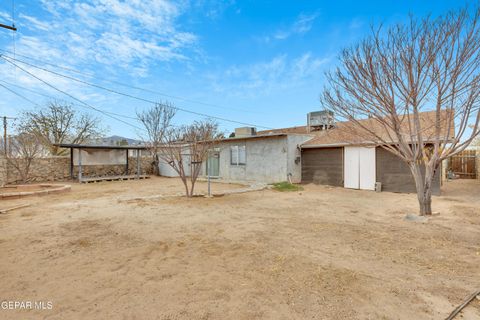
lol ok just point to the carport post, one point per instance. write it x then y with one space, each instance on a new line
71 163
138 163
209 193
208 174
126 165
79 165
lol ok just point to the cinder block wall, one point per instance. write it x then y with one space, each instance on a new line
478 163
58 169
3 171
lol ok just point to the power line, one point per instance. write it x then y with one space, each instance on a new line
60 99
18 94
127 85
30 90
6 58
71 96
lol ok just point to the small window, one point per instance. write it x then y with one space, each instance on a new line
237 155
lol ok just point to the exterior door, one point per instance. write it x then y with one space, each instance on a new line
359 168
213 164
367 168
351 168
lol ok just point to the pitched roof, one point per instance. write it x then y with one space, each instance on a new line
348 132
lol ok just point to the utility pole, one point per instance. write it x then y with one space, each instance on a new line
5 136
12 27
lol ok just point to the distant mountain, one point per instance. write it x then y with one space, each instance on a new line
116 141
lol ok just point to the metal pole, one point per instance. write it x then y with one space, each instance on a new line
79 165
208 175
209 193
71 163
138 163
126 165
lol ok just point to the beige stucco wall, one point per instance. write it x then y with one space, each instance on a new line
268 159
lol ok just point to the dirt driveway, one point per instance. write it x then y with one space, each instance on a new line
322 253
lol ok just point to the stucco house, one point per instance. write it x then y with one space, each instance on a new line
335 156
249 156
321 152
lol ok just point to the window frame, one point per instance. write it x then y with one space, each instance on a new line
235 150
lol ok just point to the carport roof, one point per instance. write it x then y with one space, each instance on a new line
89 146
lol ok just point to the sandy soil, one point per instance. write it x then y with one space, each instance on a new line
322 253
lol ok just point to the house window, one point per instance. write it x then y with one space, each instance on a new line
237 155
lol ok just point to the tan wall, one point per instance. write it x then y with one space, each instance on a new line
58 169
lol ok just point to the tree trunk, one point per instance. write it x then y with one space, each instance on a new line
187 191
425 205
192 188
423 183
193 177
156 162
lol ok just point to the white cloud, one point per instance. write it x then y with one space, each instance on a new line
214 9
302 25
113 32
100 35
5 16
280 73
32 23
356 23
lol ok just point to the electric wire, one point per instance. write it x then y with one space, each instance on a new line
73 97
8 59
87 74
63 100
19 95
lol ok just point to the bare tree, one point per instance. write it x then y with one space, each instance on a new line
22 150
156 121
59 123
185 148
393 76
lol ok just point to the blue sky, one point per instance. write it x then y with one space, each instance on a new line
259 62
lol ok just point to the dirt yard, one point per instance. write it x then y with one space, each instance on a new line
322 253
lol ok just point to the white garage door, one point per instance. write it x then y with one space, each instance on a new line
359 168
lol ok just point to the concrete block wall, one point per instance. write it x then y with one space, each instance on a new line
3 171
478 163
58 169
41 169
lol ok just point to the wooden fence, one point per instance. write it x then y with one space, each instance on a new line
464 164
